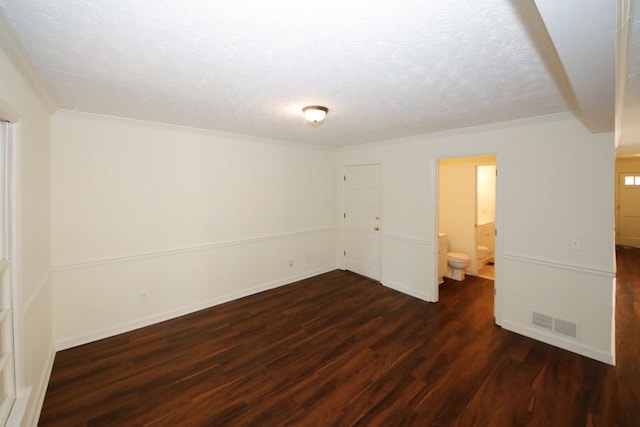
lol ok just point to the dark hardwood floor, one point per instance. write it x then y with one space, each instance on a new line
340 349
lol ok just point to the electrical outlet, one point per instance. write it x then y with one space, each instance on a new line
290 263
143 296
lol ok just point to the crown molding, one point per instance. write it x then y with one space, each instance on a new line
10 44
83 115
470 130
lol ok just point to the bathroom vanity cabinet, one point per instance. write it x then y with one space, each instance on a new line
485 237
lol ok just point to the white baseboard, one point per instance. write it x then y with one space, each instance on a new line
408 291
130 326
560 342
32 417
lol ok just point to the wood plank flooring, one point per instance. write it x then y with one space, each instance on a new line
341 350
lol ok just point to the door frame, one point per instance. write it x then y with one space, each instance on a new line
499 220
344 207
475 255
617 201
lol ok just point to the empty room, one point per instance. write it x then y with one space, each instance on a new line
341 213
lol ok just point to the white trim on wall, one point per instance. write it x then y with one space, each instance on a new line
560 265
189 249
406 239
19 409
17 285
489 127
38 396
188 129
406 290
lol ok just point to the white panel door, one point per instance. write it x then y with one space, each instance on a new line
629 209
362 220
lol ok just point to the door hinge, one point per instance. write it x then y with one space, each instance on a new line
496 172
344 178
344 215
345 253
495 232
495 292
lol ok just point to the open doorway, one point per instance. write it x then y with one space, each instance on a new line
485 232
464 221
466 211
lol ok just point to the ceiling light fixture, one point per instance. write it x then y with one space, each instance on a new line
315 114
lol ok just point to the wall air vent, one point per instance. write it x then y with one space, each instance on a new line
559 326
566 328
542 320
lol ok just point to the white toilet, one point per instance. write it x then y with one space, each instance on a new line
457 263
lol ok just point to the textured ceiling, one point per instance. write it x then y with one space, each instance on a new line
384 69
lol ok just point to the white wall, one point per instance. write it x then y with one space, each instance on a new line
486 194
20 103
150 221
555 179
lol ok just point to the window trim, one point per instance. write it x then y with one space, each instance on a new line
11 271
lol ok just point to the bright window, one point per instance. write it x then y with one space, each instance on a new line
630 180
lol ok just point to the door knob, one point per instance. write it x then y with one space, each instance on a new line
376 228
377 217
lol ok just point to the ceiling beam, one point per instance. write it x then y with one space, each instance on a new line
583 34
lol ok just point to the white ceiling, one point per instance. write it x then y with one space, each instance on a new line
384 69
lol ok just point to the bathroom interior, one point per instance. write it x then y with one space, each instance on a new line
466 217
